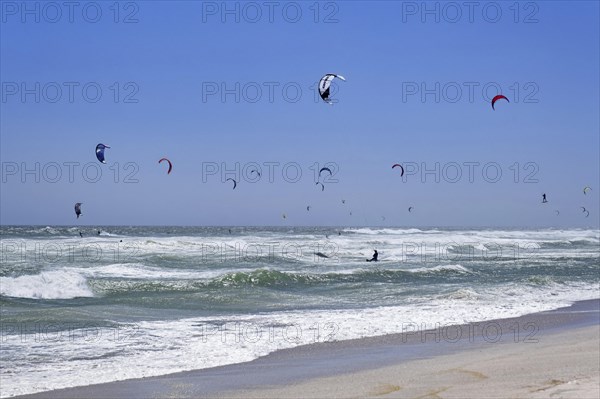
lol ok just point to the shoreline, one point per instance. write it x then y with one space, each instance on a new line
312 370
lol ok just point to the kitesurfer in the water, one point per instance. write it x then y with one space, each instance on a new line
374 258
544 200
80 234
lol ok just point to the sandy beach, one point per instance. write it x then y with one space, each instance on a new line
553 354
563 365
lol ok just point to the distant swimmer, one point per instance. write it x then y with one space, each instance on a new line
544 200
374 258
321 255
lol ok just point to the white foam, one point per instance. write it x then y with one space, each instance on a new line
152 348
441 268
143 272
59 284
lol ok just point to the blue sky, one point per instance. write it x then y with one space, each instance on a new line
155 72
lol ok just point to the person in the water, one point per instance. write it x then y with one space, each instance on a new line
544 200
374 258
80 234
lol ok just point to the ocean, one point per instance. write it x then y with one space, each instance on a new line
130 302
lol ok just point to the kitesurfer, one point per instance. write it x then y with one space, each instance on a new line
544 200
374 258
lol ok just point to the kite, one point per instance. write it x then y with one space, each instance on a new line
496 98
327 169
170 164
325 85
234 182
78 209
100 152
401 168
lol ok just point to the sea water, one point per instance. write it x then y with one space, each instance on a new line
129 302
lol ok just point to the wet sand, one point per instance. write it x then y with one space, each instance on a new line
541 355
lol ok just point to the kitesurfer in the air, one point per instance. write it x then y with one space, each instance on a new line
374 258
544 200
